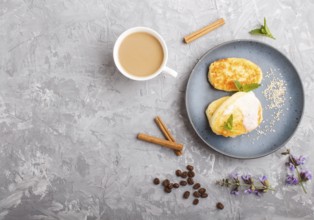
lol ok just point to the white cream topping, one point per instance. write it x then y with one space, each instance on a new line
249 106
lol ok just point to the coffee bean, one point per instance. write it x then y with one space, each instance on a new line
167 190
189 167
219 205
170 186
191 174
190 181
178 172
186 194
196 194
184 174
195 201
166 182
202 190
156 181
204 195
196 186
176 185
183 183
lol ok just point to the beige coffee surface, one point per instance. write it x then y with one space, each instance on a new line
141 54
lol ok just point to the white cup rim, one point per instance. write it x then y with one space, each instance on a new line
136 30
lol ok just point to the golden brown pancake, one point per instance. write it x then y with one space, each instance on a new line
222 73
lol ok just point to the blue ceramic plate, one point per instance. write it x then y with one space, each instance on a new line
280 121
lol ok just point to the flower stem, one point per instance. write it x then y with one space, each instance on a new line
299 176
257 187
300 180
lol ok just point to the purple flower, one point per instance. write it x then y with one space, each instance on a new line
234 176
253 190
297 161
291 166
248 191
301 160
235 191
258 193
291 180
247 179
305 175
264 181
263 178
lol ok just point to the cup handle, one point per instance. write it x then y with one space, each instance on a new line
170 71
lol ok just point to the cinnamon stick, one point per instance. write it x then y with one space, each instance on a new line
159 141
201 32
162 126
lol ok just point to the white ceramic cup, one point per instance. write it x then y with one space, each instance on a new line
162 68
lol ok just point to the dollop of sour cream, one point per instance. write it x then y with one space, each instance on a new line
249 106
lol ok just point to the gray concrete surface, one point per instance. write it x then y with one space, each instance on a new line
68 119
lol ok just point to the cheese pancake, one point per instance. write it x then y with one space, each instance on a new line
246 111
222 73
212 107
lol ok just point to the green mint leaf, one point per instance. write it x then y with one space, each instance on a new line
268 33
229 123
238 85
256 32
247 87
250 87
263 30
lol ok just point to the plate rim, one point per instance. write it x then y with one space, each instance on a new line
193 72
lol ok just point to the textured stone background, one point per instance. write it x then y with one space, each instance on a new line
68 119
